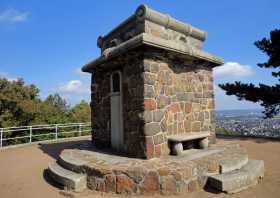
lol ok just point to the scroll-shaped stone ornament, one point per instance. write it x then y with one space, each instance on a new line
143 12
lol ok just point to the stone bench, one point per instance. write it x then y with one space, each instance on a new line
177 141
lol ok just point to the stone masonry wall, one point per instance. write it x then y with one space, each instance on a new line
132 97
100 108
178 98
160 97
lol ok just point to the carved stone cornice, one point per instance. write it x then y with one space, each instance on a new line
187 51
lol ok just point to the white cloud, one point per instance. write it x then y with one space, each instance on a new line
232 70
74 91
74 87
13 16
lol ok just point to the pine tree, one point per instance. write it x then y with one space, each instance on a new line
267 96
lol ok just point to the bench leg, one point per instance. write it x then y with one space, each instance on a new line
203 144
177 148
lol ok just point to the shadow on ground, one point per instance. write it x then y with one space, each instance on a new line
54 149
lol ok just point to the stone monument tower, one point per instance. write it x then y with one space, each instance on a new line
152 95
151 81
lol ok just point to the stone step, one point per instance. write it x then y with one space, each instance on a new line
70 180
235 162
238 180
70 162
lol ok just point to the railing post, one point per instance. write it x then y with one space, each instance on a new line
56 131
1 137
80 129
30 134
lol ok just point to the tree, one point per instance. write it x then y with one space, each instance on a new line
18 102
58 102
268 96
53 109
80 112
20 105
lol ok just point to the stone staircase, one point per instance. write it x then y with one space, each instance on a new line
67 172
236 174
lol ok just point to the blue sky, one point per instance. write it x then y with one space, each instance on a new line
46 42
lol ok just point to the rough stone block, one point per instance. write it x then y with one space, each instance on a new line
158 115
188 108
152 128
158 139
162 101
110 183
193 185
149 78
150 184
196 126
148 116
150 104
168 186
154 68
96 183
187 125
183 96
149 147
175 108
125 185
137 173
149 91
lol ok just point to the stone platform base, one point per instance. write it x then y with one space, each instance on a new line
109 172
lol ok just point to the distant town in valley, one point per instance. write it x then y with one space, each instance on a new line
246 123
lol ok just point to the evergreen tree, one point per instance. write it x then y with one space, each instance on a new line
267 96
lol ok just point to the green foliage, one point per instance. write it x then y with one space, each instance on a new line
80 112
57 102
18 102
53 109
268 96
20 105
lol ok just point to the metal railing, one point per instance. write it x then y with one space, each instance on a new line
28 134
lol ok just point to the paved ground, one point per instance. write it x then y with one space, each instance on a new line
22 171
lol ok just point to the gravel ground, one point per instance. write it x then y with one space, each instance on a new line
22 171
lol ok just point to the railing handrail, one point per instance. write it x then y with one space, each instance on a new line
74 123
27 131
